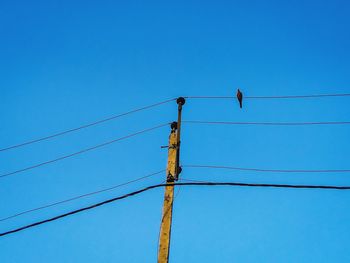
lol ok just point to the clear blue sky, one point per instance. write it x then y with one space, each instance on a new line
67 63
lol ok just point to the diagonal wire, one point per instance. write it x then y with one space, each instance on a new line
79 196
85 126
82 151
232 184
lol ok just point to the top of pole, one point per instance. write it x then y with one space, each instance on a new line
180 101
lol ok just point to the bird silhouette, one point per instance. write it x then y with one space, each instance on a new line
240 97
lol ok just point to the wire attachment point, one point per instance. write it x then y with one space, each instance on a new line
181 101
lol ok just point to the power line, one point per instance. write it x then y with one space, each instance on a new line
80 196
85 126
268 123
82 151
164 102
192 180
160 103
273 97
323 187
266 170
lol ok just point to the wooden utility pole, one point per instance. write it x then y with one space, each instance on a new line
172 174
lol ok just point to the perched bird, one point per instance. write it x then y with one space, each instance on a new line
240 97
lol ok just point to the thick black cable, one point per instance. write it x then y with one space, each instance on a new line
85 126
80 196
82 151
267 170
324 187
273 97
267 123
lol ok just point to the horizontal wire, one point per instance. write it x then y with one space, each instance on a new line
323 187
266 170
295 186
268 123
272 97
85 126
192 180
82 151
79 196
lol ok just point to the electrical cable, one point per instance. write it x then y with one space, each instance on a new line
192 180
323 187
267 170
164 102
85 126
268 123
82 151
80 196
273 97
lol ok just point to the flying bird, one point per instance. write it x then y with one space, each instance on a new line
240 97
